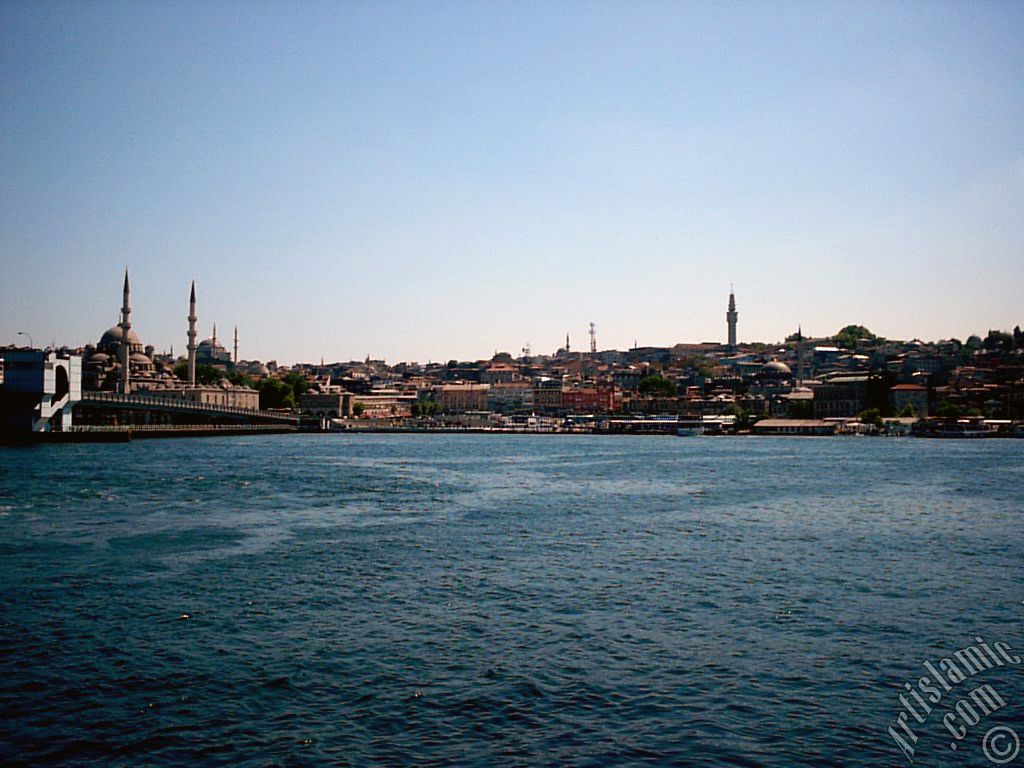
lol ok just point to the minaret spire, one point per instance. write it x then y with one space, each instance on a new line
731 316
236 345
799 356
192 336
126 326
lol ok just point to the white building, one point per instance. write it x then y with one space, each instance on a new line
39 390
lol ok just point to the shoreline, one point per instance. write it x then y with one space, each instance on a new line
126 435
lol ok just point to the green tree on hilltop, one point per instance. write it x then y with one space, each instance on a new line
998 340
851 335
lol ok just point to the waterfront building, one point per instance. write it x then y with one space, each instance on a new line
547 397
795 427
384 403
510 397
457 398
599 399
840 396
913 395
328 403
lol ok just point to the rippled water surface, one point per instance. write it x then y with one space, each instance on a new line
499 600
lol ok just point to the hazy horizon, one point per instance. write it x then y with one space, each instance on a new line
427 183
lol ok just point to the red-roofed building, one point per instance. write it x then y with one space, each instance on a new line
913 395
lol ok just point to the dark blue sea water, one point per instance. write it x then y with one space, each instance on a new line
501 600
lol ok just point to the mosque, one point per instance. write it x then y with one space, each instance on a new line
103 364
146 373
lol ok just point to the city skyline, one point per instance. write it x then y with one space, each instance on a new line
419 184
731 340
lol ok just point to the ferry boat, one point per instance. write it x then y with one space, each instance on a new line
690 427
971 427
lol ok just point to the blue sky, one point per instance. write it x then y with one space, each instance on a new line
422 181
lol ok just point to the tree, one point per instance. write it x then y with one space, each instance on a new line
658 386
851 335
801 409
275 393
871 416
742 416
997 340
908 411
425 407
296 381
241 379
947 410
205 374
357 409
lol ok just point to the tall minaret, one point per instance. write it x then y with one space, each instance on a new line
192 336
126 326
567 343
214 339
730 318
799 356
236 345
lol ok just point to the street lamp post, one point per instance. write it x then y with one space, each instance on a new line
30 342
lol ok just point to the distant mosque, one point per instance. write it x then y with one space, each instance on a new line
119 362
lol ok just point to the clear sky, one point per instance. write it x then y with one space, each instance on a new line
423 181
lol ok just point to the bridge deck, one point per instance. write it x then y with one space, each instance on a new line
170 405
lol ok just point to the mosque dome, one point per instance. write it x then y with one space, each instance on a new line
775 368
100 358
110 341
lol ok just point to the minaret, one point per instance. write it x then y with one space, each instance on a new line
730 317
567 343
236 345
192 336
799 356
126 326
214 339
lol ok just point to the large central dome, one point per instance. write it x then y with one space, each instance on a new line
110 341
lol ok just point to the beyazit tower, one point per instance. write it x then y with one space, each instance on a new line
730 317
